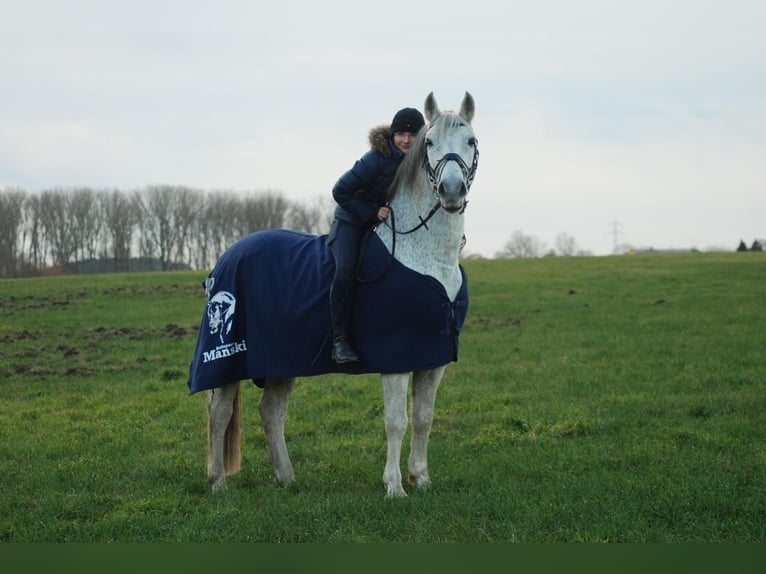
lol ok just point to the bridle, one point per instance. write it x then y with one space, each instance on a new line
434 175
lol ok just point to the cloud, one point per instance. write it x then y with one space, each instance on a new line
647 113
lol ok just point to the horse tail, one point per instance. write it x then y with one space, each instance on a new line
232 441
231 457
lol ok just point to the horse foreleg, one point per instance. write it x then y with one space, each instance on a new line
273 409
224 451
395 413
424 387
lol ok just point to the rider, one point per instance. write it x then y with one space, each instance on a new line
361 197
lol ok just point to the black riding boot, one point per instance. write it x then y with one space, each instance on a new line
342 351
340 303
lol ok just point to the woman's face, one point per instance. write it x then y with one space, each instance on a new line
403 140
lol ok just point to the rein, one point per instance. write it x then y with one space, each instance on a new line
423 222
434 175
394 233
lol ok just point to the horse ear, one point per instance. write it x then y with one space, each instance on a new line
431 108
467 108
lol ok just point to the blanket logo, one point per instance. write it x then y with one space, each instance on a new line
220 318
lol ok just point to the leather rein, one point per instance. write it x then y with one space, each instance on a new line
434 174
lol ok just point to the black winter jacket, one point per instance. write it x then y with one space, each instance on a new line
362 190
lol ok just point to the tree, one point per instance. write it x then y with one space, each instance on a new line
32 234
58 225
521 246
261 210
11 222
215 228
167 213
742 246
121 215
189 207
312 217
566 245
85 222
756 246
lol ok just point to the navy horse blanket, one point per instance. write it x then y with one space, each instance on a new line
268 313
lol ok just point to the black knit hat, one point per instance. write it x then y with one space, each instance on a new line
407 120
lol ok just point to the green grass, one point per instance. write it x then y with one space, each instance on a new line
616 399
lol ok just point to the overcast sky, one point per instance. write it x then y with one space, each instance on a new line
641 121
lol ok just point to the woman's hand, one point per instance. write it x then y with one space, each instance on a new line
383 213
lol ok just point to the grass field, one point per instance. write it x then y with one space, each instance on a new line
618 399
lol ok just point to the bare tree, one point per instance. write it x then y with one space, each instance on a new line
566 245
57 221
32 235
261 210
121 215
312 217
11 221
189 207
157 225
85 222
203 234
521 246
167 214
216 228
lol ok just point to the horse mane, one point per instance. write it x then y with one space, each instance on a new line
413 160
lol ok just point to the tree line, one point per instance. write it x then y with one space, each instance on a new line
523 246
158 227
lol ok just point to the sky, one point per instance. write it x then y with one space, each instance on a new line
615 122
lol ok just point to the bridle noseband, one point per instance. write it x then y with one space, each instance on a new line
435 173
434 176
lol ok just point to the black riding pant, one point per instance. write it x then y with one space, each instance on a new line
345 241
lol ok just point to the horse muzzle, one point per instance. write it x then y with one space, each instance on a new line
452 194
451 179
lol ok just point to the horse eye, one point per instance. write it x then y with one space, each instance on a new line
429 143
472 142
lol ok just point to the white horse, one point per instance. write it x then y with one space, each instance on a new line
431 185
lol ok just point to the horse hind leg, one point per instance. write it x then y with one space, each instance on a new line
224 434
273 410
395 413
425 384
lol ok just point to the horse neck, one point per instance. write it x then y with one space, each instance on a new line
433 249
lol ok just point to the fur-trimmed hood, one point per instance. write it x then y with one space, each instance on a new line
363 189
379 138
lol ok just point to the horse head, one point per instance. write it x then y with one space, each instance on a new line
451 152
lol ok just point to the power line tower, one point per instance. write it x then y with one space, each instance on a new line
615 235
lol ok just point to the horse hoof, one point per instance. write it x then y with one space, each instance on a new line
392 493
217 485
419 482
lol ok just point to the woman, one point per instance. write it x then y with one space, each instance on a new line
361 197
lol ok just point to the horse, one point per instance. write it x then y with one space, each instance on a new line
428 198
